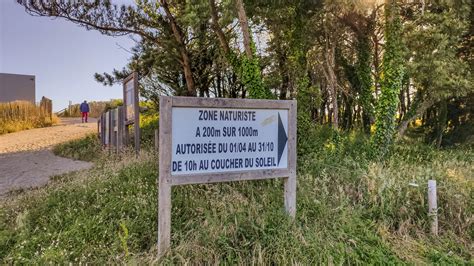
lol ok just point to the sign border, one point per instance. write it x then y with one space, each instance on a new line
134 77
166 180
136 107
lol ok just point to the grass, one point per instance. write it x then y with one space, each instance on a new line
96 108
85 149
349 211
21 115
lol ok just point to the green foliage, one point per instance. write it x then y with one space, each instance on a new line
123 235
461 122
252 79
393 69
349 211
293 45
78 220
86 149
149 122
439 68
249 74
434 39
305 103
364 74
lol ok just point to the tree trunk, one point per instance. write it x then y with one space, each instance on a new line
323 109
331 79
376 65
418 110
244 24
403 108
441 123
283 72
217 28
408 94
347 112
218 84
393 71
185 60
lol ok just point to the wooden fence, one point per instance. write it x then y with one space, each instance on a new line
112 130
114 133
46 108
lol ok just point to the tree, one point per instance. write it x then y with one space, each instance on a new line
247 65
393 69
433 35
143 20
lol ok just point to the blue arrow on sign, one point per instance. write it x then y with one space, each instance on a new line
282 138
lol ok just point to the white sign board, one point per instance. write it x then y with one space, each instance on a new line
206 140
210 140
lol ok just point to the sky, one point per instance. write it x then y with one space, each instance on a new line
62 55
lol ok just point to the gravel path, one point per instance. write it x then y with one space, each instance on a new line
43 138
26 159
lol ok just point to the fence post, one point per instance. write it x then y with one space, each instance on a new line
102 131
157 140
433 206
119 128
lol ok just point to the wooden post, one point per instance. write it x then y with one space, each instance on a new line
100 129
433 206
102 124
290 182
164 178
112 129
109 129
106 129
132 100
157 139
120 128
137 113
116 129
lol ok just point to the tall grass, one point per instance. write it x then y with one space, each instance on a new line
96 108
349 211
21 115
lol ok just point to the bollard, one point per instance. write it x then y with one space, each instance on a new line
433 206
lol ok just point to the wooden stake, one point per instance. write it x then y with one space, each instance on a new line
137 113
157 140
433 206
164 179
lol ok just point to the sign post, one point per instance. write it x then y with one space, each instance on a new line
132 109
107 128
206 140
120 128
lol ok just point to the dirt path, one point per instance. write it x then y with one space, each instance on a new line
26 159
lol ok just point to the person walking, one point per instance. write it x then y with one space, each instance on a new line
84 111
